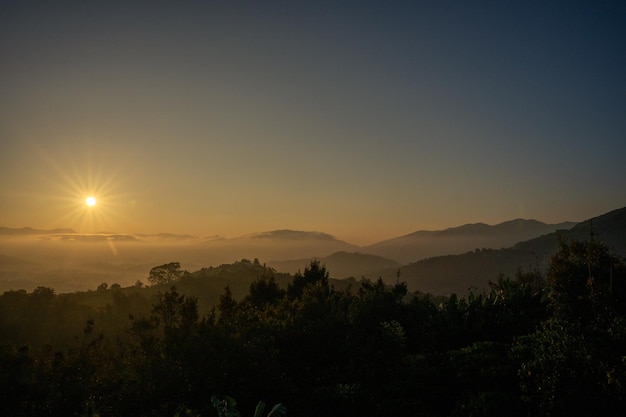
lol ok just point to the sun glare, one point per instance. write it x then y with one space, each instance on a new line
88 197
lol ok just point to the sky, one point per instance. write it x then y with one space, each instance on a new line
364 120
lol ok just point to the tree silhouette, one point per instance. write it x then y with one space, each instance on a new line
264 291
583 280
315 276
165 274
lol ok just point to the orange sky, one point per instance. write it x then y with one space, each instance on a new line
364 123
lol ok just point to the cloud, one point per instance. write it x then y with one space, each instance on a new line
96 237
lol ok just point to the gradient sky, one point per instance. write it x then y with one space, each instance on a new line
365 120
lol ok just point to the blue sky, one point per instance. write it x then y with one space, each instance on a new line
365 120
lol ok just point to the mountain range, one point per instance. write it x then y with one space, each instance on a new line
286 245
474 269
424 244
440 262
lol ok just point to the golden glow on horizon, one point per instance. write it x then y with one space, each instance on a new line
88 197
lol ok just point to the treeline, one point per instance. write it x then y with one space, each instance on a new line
532 346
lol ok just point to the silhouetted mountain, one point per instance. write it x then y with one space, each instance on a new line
287 234
342 265
424 244
609 228
67 263
474 269
278 245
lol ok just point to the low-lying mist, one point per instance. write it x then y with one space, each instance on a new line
71 262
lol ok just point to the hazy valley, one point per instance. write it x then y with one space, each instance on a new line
440 262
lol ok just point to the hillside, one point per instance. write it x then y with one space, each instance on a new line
474 269
206 285
143 350
342 265
457 240
277 245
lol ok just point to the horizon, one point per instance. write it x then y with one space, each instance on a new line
67 260
69 230
365 122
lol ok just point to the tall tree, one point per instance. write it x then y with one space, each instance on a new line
315 276
584 279
166 273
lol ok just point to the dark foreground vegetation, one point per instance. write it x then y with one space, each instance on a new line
534 345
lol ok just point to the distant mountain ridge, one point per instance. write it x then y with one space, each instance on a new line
279 245
428 258
291 235
474 269
424 244
166 236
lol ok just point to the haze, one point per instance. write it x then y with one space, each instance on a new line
363 120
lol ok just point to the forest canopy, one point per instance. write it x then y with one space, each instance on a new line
535 344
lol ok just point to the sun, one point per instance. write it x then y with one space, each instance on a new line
89 197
